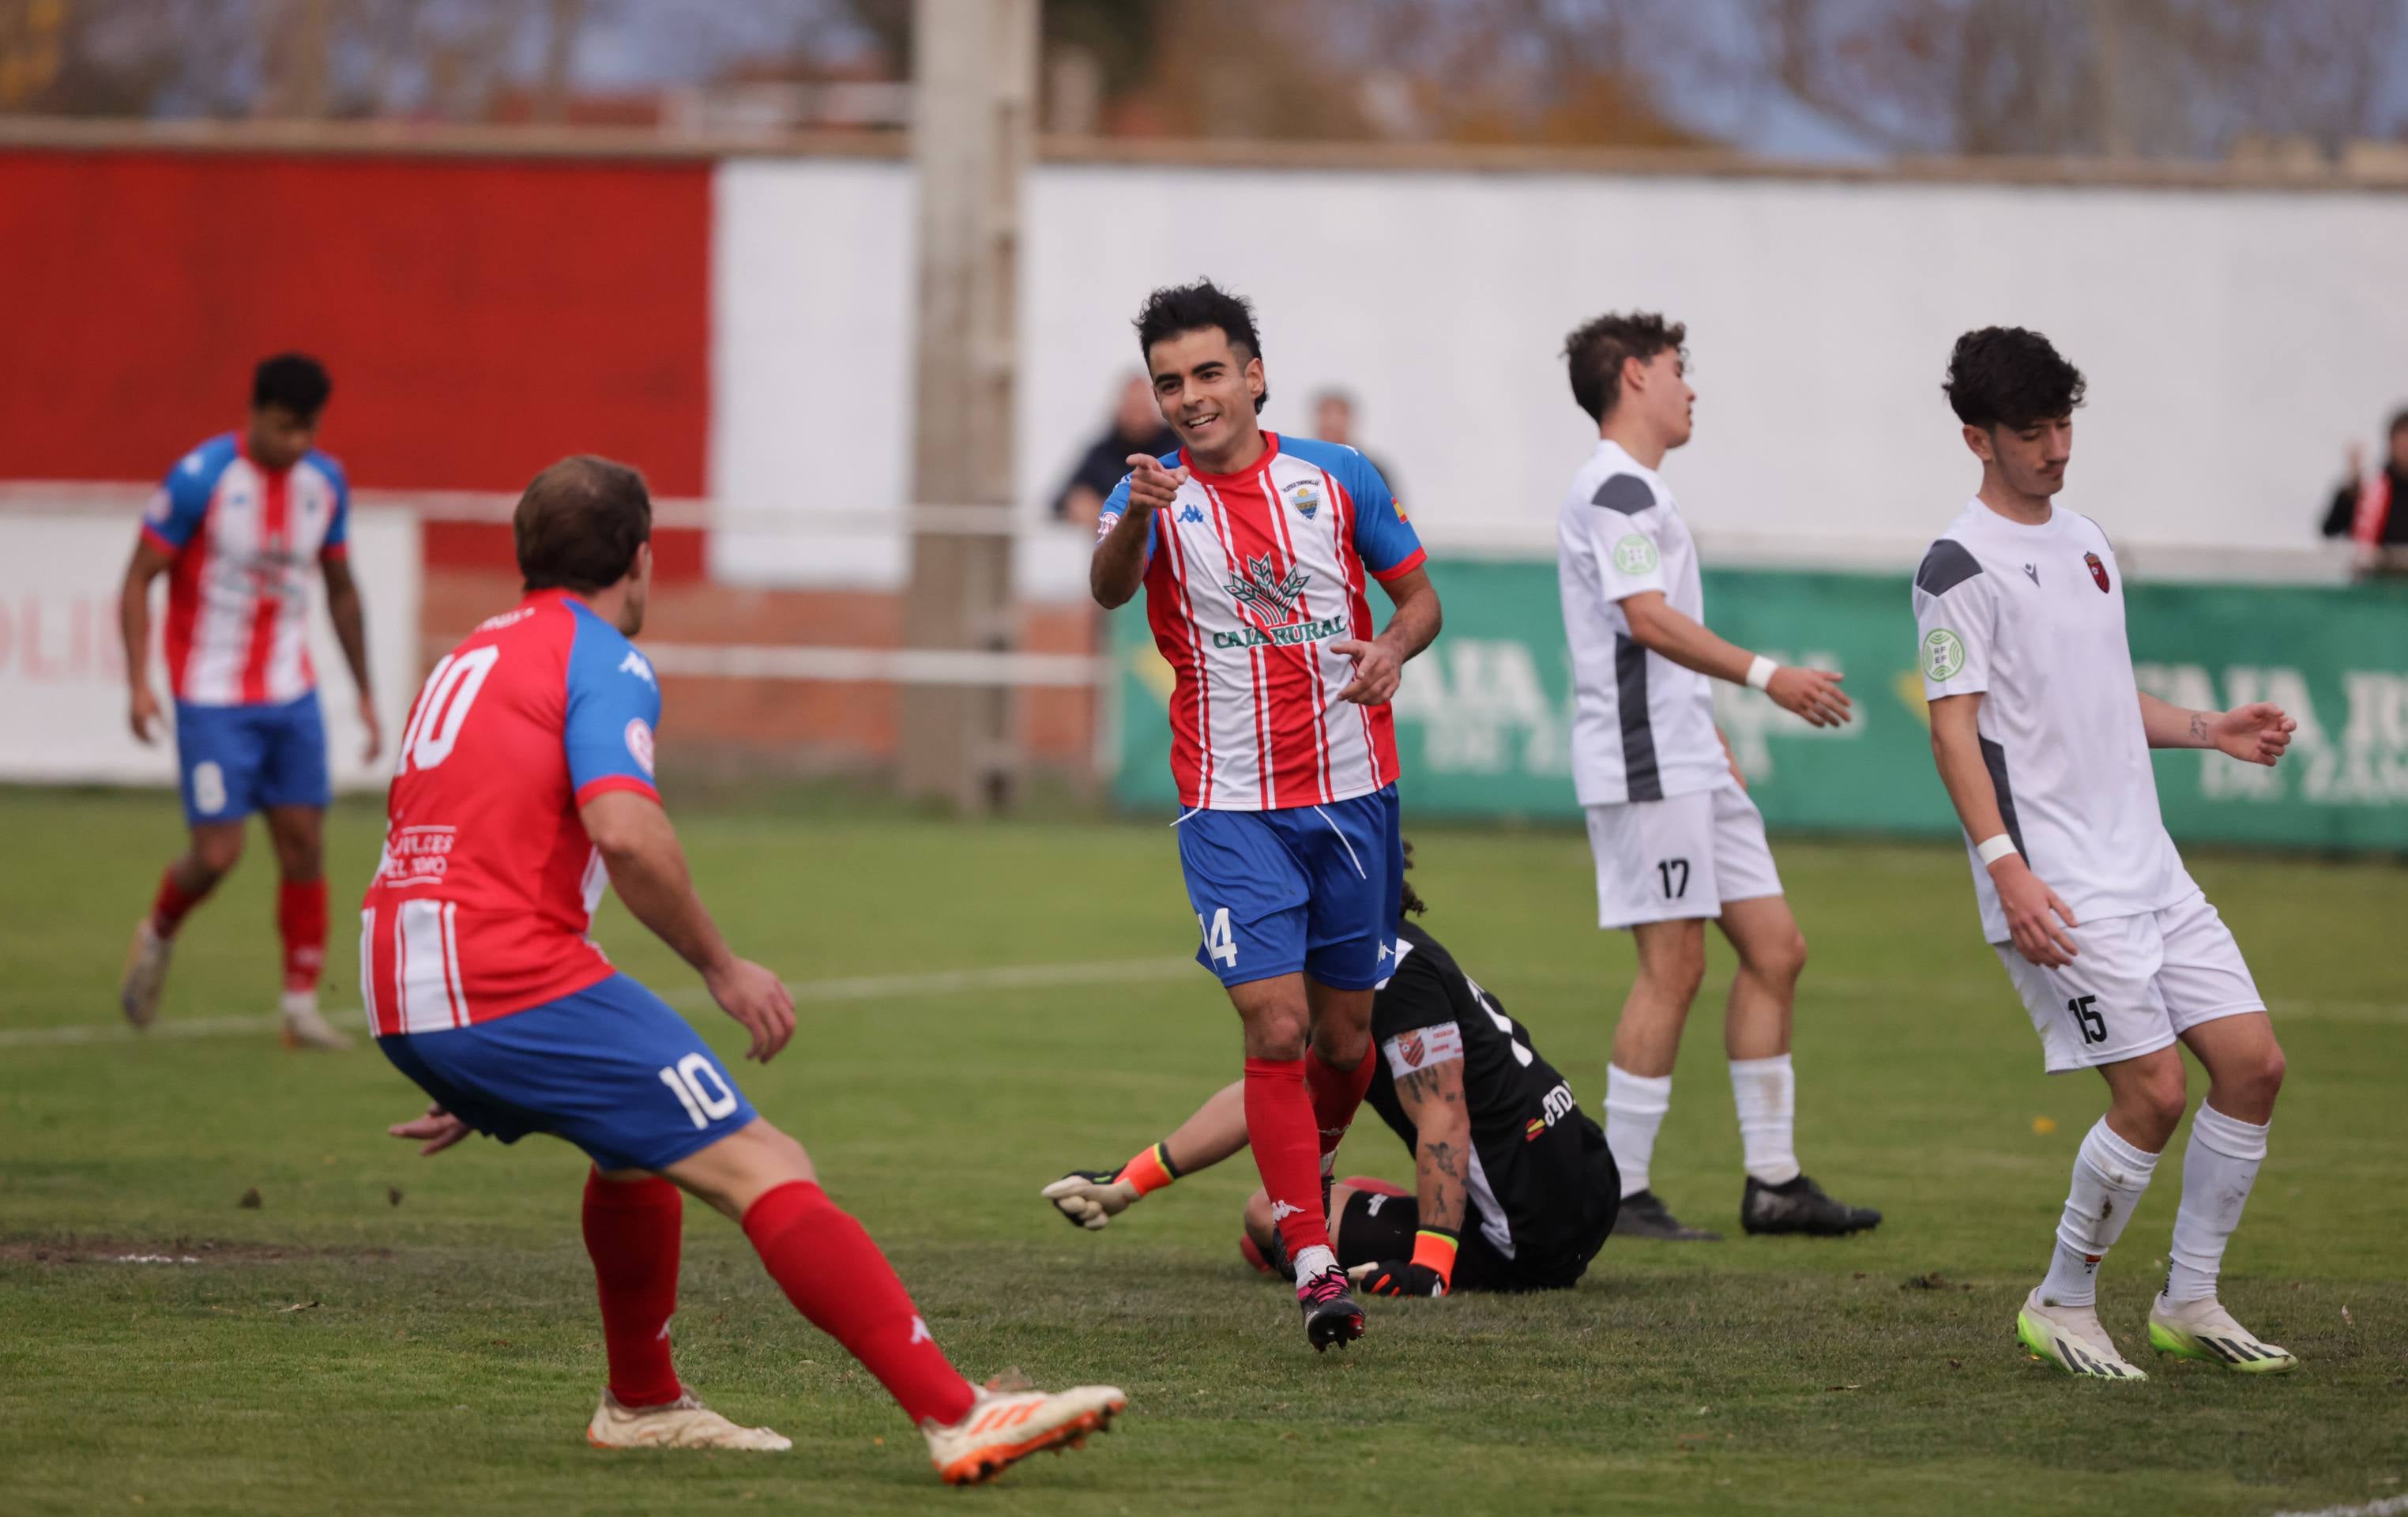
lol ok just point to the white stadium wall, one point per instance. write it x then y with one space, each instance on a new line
63 674
2235 341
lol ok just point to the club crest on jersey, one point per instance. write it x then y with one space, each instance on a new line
1306 497
2098 571
1272 595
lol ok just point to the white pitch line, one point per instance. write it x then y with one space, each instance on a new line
2391 1506
118 1032
1008 977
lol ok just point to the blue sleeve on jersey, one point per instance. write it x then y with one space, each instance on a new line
1114 508
1384 539
184 496
614 704
339 530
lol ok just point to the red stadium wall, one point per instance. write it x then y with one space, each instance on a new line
481 317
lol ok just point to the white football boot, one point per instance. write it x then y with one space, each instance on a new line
304 1027
682 1423
2203 1330
2071 1339
145 976
1011 1420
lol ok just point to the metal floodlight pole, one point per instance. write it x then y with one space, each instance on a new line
973 132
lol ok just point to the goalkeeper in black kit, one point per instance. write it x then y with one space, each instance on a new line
1514 1189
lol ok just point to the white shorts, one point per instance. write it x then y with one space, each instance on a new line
2139 983
1680 857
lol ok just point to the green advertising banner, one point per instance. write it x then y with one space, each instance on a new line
1483 720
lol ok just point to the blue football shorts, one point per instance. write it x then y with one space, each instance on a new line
1315 888
234 760
612 1068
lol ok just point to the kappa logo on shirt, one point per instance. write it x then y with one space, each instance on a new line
1192 513
634 664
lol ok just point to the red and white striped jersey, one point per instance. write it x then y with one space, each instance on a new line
487 882
1250 576
244 540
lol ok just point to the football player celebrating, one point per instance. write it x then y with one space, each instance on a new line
525 786
1255 551
1514 1187
1676 839
2042 739
236 527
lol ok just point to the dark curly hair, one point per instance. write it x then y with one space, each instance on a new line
1594 352
1413 904
296 382
2010 377
1195 307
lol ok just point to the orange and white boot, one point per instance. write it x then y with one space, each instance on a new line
1011 1420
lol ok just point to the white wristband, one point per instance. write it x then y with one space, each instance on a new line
1760 674
1995 849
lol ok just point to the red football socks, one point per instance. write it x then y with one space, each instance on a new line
301 920
1336 1096
632 1232
169 906
1287 1154
842 1284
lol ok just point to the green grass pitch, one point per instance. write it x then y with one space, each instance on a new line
445 1352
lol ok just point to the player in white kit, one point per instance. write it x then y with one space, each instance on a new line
1677 840
2042 739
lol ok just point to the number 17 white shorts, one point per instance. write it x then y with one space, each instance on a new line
2137 983
1680 857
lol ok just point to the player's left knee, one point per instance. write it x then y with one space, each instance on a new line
1786 959
2261 1077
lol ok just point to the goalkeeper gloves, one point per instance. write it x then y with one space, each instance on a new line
1429 1272
1091 1198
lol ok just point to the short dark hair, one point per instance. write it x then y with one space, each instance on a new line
2010 377
580 524
296 382
1409 903
1194 307
2399 424
1595 351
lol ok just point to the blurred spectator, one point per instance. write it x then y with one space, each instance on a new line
1137 428
1333 421
2372 510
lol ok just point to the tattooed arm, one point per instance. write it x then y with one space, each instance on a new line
1432 1097
2256 734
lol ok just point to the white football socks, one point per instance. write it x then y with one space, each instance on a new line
1765 1093
1311 1263
1634 1110
2109 1176
2218 1168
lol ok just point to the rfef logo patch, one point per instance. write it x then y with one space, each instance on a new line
1944 654
2098 571
639 743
